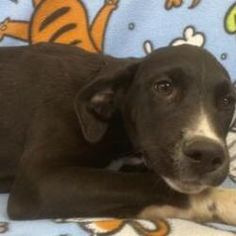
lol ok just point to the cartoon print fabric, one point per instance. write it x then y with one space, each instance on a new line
61 22
230 20
122 28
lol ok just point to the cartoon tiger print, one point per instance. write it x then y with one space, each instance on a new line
67 22
61 22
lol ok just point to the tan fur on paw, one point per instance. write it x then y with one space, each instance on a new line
214 205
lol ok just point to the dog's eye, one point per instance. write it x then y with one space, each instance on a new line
227 102
164 87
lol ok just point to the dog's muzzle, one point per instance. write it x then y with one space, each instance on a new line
204 163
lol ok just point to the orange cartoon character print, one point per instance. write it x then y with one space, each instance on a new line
64 22
119 227
169 4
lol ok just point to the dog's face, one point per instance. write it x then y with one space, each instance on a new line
180 106
177 107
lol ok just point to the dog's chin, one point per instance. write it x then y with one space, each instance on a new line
189 187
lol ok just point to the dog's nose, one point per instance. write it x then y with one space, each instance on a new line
205 153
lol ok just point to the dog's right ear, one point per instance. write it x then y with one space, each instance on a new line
96 103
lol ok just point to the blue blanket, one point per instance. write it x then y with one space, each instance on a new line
122 28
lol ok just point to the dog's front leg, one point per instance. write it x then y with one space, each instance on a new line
57 176
53 181
82 192
214 205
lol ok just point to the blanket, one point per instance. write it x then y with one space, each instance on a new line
122 28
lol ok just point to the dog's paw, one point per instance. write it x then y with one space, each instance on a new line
3 27
214 205
222 206
173 3
166 211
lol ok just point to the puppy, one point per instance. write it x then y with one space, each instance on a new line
67 114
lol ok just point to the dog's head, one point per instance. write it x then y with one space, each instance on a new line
177 105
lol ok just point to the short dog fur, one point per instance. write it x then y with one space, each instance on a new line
67 114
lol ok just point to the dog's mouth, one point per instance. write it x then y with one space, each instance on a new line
184 176
187 187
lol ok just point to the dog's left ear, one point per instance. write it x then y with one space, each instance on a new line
96 103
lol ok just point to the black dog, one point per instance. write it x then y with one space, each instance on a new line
66 114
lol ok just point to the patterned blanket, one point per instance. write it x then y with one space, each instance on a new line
122 28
